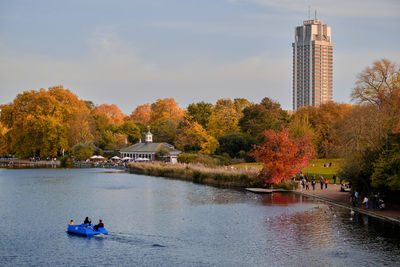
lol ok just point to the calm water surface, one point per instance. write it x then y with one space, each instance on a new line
162 222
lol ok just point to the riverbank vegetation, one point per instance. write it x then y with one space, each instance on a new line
218 176
54 122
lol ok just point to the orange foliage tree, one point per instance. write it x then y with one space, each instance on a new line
142 114
281 155
45 122
165 109
112 112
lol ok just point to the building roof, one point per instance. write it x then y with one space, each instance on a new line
150 148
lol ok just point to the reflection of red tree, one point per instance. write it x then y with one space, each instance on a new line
283 199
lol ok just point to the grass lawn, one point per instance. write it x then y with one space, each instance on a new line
248 165
316 167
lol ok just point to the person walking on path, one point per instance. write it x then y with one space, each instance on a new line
355 198
365 203
334 179
326 183
313 185
321 181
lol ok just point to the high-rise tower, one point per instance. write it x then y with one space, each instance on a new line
312 64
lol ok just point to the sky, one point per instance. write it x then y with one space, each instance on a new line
131 53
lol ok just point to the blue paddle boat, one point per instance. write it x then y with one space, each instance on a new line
86 230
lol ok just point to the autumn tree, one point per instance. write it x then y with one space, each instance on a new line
142 114
281 155
300 126
374 162
42 123
165 118
81 126
359 129
379 86
3 140
112 112
323 121
192 137
103 130
241 104
165 109
224 118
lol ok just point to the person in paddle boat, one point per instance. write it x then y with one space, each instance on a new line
100 224
86 220
89 225
71 222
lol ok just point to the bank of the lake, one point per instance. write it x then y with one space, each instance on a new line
26 163
218 176
333 195
247 177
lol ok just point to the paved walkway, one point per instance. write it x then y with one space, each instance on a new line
332 193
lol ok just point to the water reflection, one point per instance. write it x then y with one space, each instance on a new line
155 221
284 199
333 232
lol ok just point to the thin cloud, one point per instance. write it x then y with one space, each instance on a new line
114 72
341 8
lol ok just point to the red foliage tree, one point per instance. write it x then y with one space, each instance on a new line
281 155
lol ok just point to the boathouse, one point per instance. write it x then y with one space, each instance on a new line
148 150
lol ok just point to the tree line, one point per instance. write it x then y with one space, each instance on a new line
49 122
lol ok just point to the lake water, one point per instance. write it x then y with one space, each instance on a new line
163 222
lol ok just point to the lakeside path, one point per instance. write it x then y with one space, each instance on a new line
332 194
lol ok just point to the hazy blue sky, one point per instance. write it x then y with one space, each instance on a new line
133 52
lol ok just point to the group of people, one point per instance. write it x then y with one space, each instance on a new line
88 223
305 183
376 201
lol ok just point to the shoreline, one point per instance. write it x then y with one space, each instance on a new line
331 196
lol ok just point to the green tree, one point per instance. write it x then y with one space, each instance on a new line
236 143
165 131
131 130
386 173
260 117
200 112
83 151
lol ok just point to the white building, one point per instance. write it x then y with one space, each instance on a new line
147 151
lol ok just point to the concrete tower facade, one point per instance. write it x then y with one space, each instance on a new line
312 64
